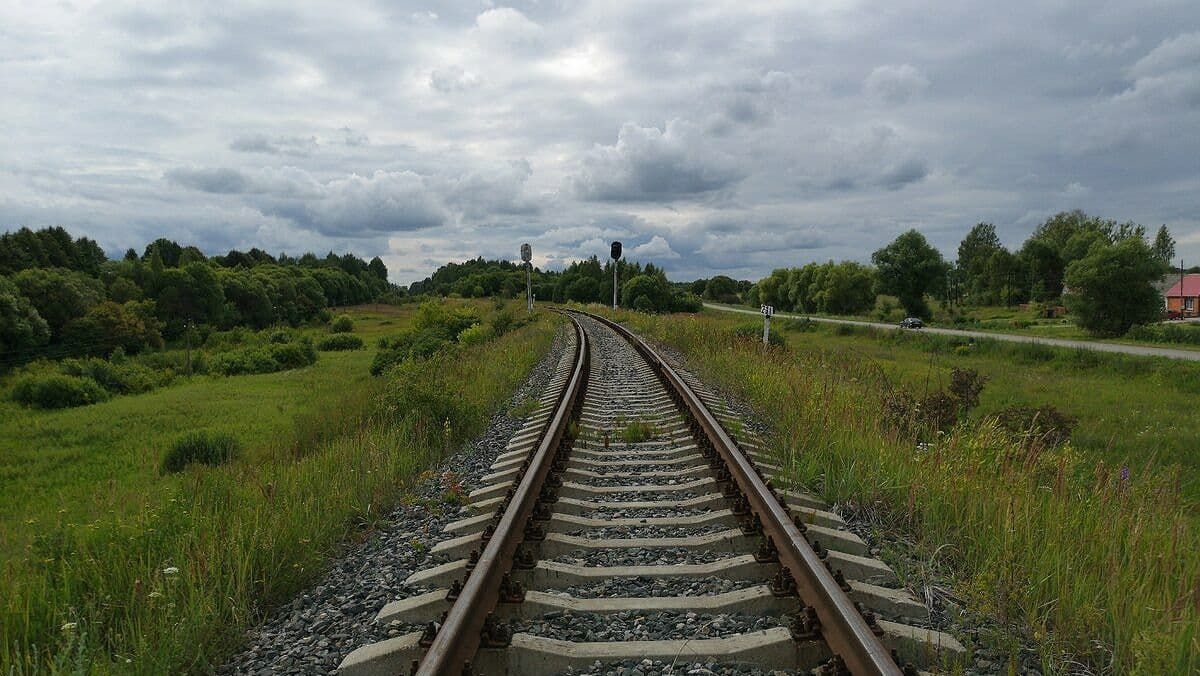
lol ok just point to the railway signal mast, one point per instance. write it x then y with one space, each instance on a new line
768 311
527 258
615 252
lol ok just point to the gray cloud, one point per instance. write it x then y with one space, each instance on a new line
715 137
298 146
648 164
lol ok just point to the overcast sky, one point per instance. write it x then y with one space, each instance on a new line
710 137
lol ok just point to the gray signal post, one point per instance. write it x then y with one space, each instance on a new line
527 257
615 252
767 312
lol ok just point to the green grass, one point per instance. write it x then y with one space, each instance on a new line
111 567
1055 546
1132 411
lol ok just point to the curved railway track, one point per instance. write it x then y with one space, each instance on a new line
626 480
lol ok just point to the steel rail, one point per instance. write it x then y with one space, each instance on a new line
841 625
460 634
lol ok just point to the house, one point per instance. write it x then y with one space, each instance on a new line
1184 296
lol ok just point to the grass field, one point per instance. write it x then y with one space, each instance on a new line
1063 552
1131 411
110 567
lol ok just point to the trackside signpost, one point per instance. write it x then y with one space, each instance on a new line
767 312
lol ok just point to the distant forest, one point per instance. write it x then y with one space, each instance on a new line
61 296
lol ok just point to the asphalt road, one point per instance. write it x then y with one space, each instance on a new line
1169 353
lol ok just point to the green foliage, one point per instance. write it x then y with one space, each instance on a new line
342 324
117 377
476 335
265 359
1112 287
647 293
721 289
58 294
909 268
1180 334
752 333
21 327
48 248
107 326
835 288
339 341
200 447
1164 246
637 432
56 390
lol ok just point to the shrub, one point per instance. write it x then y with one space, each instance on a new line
265 359
200 446
294 355
57 390
280 337
476 335
340 341
411 344
1043 425
117 378
343 324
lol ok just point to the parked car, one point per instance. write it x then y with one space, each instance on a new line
1173 315
911 323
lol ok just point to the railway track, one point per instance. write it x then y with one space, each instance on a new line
626 525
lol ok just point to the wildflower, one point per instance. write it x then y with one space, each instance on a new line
170 570
69 626
155 594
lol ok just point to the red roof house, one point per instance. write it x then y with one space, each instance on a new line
1184 296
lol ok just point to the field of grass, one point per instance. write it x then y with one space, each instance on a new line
1131 411
111 567
1092 567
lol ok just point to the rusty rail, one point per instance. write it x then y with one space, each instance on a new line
460 634
842 627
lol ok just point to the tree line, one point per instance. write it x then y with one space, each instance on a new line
1103 271
61 296
642 287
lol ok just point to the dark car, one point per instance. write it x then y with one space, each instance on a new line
912 323
1173 315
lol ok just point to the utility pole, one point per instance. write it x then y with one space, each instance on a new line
615 252
188 333
527 257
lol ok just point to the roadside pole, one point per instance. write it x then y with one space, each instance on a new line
767 312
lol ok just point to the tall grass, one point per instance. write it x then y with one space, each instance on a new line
1104 569
168 590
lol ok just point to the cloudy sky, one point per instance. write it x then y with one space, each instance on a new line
711 137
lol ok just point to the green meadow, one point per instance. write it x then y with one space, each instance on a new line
110 566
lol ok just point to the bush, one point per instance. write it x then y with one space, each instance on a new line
343 324
340 341
280 337
57 390
265 359
117 378
1042 425
201 446
411 344
476 335
294 355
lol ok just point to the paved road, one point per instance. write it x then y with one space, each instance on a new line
1169 353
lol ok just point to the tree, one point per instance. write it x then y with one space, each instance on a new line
107 326
168 251
21 327
1112 287
1164 246
58 294
378 269
909 268
975 253
647 293
722 288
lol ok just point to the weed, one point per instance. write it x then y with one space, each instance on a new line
638 431
203 447
524 409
